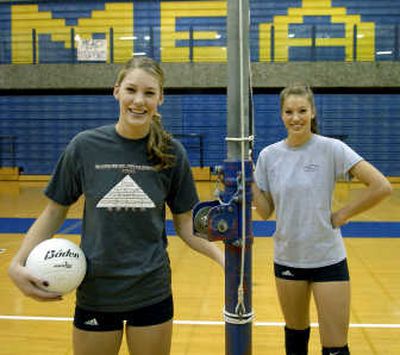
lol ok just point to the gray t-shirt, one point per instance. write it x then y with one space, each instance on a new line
301 182
123 231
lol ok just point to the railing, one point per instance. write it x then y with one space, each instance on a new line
269 43
7 151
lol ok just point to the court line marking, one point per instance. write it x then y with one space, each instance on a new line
200 322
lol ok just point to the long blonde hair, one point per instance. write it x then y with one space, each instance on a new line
159 143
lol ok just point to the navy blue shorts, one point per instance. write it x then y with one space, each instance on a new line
335 272
106 321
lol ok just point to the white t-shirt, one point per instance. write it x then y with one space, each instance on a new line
301 181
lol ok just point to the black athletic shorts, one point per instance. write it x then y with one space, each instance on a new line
335 272
106 321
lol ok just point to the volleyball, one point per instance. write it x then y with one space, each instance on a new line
60 262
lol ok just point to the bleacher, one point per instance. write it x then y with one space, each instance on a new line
51 32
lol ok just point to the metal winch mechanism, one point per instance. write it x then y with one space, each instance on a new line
219 219
214 220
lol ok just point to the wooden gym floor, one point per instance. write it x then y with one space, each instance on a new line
373 245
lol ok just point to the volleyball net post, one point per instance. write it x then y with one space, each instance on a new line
238 313
229 217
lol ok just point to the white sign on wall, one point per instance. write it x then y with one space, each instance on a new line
92 50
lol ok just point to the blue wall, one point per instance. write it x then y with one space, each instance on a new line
43 125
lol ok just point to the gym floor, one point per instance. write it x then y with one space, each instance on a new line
373 244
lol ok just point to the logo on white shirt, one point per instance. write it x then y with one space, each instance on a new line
310 167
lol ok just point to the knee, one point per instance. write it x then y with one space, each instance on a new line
296 341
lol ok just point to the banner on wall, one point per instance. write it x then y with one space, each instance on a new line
92 50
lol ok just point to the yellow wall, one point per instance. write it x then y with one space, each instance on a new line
119 16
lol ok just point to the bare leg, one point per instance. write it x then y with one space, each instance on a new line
294 298
150 340
333 305
99 343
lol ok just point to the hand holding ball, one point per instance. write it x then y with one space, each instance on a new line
60 262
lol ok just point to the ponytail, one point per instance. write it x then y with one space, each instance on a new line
159 144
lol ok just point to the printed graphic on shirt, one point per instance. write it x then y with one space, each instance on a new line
126 195
310 167
125 168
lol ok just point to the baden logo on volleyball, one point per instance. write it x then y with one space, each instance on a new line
60 253
60 262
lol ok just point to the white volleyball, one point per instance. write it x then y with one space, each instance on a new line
58 261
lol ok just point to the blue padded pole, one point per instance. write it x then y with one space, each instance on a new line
238 313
